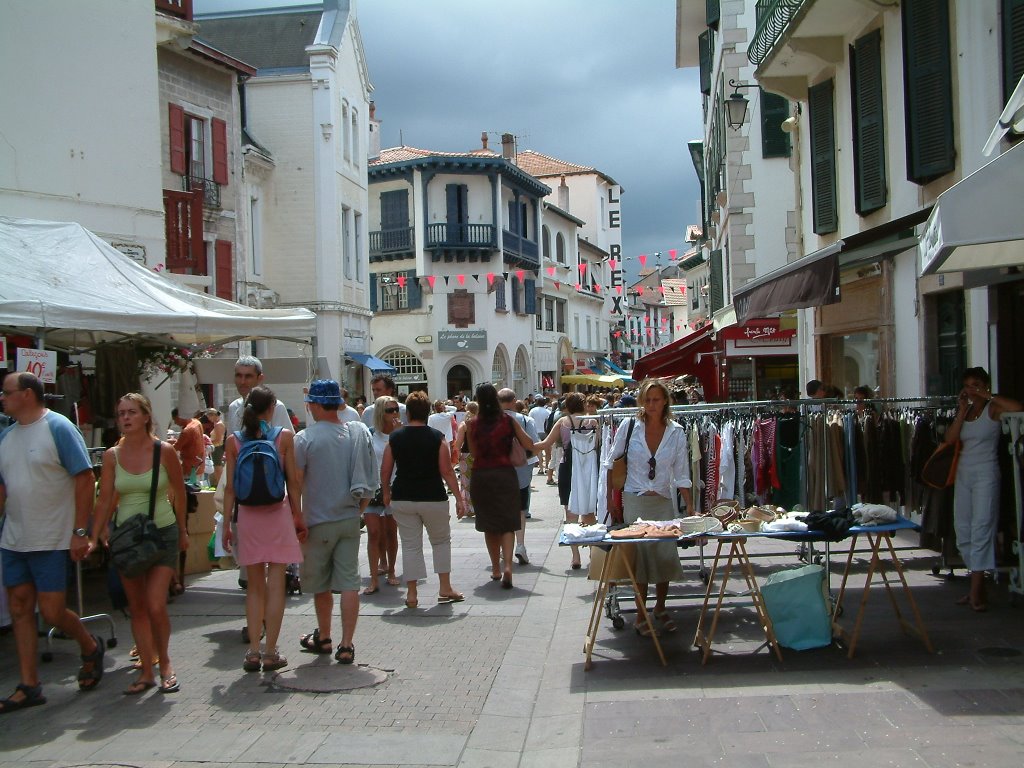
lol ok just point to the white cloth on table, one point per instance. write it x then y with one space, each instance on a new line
784 525
873 514
575 533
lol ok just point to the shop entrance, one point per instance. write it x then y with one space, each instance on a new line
1010 298
460 382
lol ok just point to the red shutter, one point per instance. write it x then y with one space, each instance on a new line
195 232
220 151
224 270
176 119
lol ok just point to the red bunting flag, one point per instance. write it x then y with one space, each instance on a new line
613 263
551 271
461 279
520 274
583 267
672 253
431 279
401 281
557 285
642 259
490 278
597 287
618 289
661 289
579 287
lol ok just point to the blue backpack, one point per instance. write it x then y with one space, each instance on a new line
259 477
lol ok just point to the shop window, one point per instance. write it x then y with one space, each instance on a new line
853 361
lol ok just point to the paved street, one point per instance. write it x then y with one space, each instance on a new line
498 681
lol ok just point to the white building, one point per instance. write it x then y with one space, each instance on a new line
306 136
454 269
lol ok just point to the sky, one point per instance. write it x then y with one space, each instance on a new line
591 82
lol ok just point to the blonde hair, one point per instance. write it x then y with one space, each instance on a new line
472 408
378 411
145 406
646 386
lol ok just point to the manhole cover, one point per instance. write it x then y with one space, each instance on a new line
316 678
997 651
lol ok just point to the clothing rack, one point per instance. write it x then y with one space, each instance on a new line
1013 425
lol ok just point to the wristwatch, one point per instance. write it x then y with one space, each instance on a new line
82 532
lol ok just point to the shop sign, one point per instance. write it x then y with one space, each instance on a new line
3 351
409 378
461 341
42 363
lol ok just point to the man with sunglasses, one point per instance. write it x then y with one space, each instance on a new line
382 385
46 495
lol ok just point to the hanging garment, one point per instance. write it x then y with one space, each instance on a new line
727 462
741 468
789 456
695 461
711 475
583 490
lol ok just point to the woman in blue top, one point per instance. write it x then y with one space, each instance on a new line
976 493
125 487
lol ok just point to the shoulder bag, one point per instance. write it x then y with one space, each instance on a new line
940 469
516 454
619 466
136 544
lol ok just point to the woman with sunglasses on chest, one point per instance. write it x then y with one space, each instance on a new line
381 528
657 463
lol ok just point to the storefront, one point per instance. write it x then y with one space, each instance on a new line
760 359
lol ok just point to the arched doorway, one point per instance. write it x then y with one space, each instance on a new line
460 381
521 374
499 368
410 375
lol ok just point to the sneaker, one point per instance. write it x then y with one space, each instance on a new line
528 515
521 555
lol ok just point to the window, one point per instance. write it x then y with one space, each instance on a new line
196 147
868 123
499 369
355 137
1013 44
224 269
928 89
546 243
183 225
394 295
823 158
560 315
199 152
530 297
346 246
717 282
406 365
559 248
549 315
358 250
517 304
517 217
774 141
345 148
499 294
457 201
540 319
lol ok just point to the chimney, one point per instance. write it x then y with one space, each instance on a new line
563 195
483 139
508 147
373 145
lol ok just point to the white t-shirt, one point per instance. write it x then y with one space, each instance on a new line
347 415
442 422
540 414
234 422
38 464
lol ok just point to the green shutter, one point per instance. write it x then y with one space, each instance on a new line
413 290
717 290
823 157
1013 45
531 297
928 89
713 12
704 52
774 141
373 291
868 123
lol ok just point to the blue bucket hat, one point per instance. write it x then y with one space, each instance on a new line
324 392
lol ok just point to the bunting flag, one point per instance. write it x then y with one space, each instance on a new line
661 289
613 264
551 271
597 287
579 287
461 279
401 281
672 253
490 278
642 259
431 279
557 285
583 267
618 289
446 279
520 274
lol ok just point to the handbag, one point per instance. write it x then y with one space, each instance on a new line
136 544
618 478
940 469
517 454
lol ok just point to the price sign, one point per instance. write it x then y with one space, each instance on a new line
42 363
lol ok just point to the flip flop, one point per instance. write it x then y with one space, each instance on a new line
371 590
394 581
455 597
138 687
169 684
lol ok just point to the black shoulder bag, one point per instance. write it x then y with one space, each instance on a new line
136 544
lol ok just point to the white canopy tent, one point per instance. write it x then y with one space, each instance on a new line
60 282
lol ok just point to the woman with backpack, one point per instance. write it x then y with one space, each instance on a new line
262 479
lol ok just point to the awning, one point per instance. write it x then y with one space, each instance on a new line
676 358
592 379
1012 117
977 223
375 364
614 370
812 281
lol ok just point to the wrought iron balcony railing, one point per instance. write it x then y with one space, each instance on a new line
391 241
774 17
209 188
460 236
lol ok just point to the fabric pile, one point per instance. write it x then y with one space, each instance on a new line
575 533
874 514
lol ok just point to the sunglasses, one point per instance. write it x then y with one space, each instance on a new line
653 464
390 410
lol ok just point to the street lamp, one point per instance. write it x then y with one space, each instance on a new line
389 284
736 105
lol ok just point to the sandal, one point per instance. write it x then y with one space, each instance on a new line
644 629
32 696
372 589
313 642
138 687
252 662
89 678
169 684
272 661
666 621
346 654
454 597
393 581
411 603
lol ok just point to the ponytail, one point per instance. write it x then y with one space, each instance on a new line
260 400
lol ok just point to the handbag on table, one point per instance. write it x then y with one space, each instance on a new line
136 544
619 466
940 469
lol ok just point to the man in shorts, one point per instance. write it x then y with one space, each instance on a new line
46 492
338 473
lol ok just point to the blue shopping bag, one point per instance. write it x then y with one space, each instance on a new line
797 603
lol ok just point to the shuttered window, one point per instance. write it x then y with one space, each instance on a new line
704 53
717 290
373 291
530 297
224 269
516 305
219 135
928 89
414 290
821 115
774 141
176 121
713 12
394 209
1013 45
868 123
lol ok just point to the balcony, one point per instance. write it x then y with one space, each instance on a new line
208 189
796 39
461 242
519 251
391 244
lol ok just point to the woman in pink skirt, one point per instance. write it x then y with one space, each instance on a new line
268 536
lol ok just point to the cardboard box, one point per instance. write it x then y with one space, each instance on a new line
201 521
197 558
